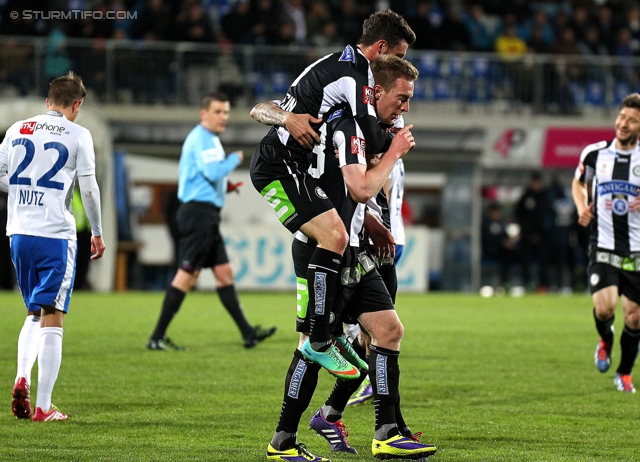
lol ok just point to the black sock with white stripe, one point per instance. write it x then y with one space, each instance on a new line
384 373
322 279
604 328
299 386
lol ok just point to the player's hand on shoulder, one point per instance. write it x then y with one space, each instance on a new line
299 126
97 247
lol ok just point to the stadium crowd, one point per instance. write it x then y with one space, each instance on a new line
588 27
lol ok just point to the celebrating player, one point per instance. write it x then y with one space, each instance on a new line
280 163
40 159
609 171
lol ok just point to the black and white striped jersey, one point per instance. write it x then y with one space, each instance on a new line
339 79
613 179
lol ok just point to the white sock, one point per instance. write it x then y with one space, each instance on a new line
49 359
28 343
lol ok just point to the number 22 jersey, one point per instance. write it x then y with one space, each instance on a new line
44 154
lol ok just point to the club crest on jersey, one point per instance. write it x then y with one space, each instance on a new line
320 193
335 115
367 95
27 128
620 206
358 146
348 54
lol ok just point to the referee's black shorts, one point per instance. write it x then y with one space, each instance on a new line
284 182
200 244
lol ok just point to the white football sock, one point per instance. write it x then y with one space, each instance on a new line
28 343
49 359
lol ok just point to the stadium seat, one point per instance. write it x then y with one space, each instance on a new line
480 67
594 93
428 65
441 89
279 83
420 89
620 90
255 80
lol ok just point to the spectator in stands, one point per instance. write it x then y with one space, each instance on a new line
155 18
534 214
427 38
16 64
520 9
453 32
56 62
349 21
194 25
509 46
230 76
633 22
265 19
563 72
537 42
296 12
592 45
328 36
545 36
236 25
608 28
482 29
580 22
497 246
317 16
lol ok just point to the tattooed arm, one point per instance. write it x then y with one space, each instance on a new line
299 125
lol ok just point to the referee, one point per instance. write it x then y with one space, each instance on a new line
202 186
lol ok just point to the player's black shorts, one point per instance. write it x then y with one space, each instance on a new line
603 275
200 244
292 193
368 295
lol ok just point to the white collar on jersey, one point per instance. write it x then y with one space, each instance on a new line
54 113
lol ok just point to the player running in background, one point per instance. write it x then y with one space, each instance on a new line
40 159
279 166
202 186
606 191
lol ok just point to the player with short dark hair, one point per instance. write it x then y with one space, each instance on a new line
40 159
202 186
279 166
349 184
606 192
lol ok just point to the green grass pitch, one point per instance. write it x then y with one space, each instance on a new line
497 379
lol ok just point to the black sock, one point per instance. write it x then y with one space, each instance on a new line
384 374
322 279
604 328
172 300
299 386
229 298
629 349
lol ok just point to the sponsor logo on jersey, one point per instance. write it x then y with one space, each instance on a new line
320 291
28 128
320 193
381 375
367 95
617 187
335 115
348 54
358 146
296 379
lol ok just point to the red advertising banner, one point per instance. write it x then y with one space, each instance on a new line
562 146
